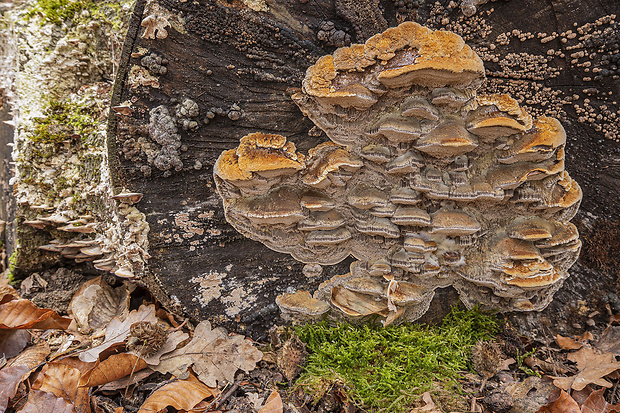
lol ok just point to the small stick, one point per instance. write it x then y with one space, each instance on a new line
222 399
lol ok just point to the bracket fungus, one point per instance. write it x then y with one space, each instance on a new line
425 183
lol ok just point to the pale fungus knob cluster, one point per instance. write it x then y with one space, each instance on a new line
424 182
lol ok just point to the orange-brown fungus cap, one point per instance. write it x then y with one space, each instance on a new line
409 54
506 104
325 158
227 167
258 152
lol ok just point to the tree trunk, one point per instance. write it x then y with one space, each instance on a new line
239 62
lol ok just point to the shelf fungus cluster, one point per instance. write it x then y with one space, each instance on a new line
424 182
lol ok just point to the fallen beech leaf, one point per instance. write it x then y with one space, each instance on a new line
216 356
430 406
180 394
530 394
17 370
567 343
12 342
127 381
95 304
273 404
39 401
113 368
596 403
171 343
580 396
117 331
561 403
6 290
593 367
610 340
22 313
62 381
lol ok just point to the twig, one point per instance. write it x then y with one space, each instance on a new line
555 371
222 399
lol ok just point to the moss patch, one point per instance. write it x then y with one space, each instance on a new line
388 368
57 11
64 121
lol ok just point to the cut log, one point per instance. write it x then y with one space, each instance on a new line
195 77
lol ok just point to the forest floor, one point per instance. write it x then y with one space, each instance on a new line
81 344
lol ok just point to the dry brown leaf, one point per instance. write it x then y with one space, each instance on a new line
95 304
40 401
429 407
560 403
567 343
530 394
180 394
171 343
127 381
596 403
614 319
7 290
215 355
62 381
273 404
610 340
22 313
580 396
118 330
113 368
593 367
17 370
12 342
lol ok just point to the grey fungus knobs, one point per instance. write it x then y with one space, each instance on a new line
424 182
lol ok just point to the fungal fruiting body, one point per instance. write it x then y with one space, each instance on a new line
425 182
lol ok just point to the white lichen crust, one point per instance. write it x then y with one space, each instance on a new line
425 182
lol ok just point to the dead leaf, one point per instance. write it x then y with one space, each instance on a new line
215 355
17 370
592 367
95 304
62 381
561 403
180 394
12 342
530 394
127 381
40 401
23 314
171 343
113 368
430 406
567 343
118 330
273 404
610 340
7 290
580 396
596 403
614 319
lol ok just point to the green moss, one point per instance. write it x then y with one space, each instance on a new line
389 368
12 265
58 11
64 121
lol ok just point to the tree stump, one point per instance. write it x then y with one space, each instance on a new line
199 75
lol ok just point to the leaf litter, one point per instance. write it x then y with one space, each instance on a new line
151 362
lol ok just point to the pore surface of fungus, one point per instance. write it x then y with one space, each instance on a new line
425 183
